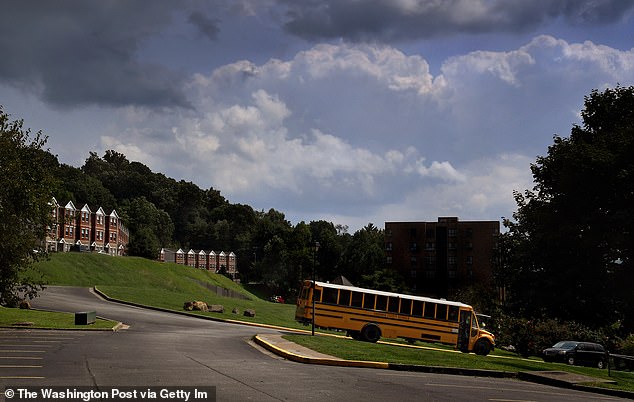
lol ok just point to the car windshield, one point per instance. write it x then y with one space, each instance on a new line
565 345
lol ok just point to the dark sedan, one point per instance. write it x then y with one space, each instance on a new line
579 353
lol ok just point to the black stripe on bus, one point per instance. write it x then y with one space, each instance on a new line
369 310
384 320
373 315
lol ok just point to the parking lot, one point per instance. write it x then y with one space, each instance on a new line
23 353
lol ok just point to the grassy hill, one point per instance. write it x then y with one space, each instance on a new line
165 285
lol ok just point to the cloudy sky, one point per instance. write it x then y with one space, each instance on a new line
352 111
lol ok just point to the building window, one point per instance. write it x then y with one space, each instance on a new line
430 245
388 246
469 260
413 246
388 260
412 273
413 260
430 233
388 232
452 232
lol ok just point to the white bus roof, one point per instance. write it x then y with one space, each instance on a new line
382 293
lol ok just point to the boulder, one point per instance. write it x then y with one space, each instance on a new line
235 310
196 305
217 308
24 304
249 312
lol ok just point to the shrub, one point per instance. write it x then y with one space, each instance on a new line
530 337
627 345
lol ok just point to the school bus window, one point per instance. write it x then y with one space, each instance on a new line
441 311
406 306
317 295
330 295
344 297
381 303
392 306
453 313
417 308
430 310
368 301
357 299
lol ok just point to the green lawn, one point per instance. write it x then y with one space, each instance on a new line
444 356
14 317
164 285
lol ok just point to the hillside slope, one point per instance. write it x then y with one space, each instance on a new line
165 285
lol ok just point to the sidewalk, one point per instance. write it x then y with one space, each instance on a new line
297 353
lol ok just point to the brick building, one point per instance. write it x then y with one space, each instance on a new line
84 230
221 262
435 257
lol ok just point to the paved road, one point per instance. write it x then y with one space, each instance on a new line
162 349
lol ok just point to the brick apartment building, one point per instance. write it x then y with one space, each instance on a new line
435 257
82 229
221 262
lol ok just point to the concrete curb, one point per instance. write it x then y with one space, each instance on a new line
379 365
453 370
184 313
315 360
524 376
532 377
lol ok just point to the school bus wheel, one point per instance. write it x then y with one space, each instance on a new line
371 333
482 347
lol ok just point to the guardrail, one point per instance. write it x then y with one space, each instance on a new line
621 362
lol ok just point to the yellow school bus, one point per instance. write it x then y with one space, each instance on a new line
368 315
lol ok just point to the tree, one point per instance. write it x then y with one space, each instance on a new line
26 187
150 227
82 188
364 255
572 240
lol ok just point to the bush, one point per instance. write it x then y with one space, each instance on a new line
530 337
627 345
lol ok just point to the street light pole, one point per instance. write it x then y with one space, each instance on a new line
315 249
